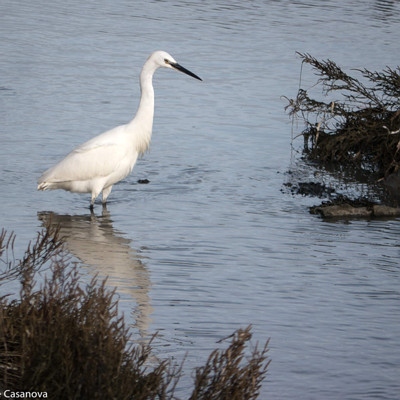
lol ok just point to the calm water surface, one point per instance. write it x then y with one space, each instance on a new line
211 243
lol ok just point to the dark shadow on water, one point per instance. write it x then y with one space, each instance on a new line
94 241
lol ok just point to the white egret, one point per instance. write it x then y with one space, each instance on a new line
99 163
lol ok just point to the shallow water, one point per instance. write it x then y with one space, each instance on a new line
211 243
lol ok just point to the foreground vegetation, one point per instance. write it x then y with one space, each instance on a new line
65 340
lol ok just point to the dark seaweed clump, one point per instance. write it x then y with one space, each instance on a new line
357 123
315 189
68 340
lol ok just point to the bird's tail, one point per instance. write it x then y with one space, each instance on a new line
43 186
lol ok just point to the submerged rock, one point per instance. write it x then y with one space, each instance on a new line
340 211
385 211
346 210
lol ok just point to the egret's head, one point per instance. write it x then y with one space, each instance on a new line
165 60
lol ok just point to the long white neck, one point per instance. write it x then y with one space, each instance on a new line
142 124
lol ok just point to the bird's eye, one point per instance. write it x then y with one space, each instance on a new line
166 60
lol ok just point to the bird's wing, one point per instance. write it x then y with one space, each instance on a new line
90 160
98 157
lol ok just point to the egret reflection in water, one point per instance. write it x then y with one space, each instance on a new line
94 241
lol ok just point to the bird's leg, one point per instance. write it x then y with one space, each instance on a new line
94 195
95 192
106 193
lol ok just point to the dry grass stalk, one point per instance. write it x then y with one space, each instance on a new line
226 377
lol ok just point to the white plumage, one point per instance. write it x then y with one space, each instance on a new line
96 165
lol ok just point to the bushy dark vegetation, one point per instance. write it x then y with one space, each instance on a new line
68 339
357 122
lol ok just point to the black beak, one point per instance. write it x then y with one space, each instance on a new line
184 70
